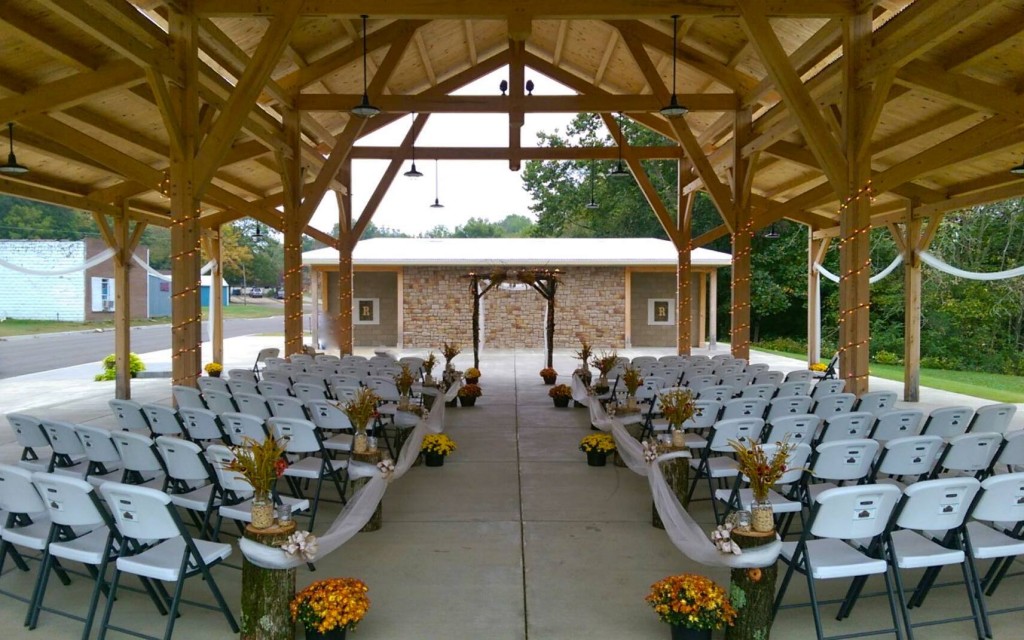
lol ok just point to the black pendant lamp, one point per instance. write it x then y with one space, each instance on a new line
593 203
12 168
1017 171
772 233
259 235
413 172
619 171
364 109
673 109
437 202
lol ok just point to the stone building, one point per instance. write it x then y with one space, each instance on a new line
414 293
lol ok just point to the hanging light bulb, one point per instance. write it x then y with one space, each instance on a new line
364 109
619 171
437 202
413 172
259 235
1018 170
673 109
593 203
772 233
12 168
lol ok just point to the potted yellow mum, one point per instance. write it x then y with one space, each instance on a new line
435 447
329 608
694 605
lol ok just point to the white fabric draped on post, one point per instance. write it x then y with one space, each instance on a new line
579 391
933 261
897 261
99 258
361 505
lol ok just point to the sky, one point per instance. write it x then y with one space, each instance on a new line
467 189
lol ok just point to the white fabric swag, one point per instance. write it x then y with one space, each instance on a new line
932 260
163 276
873 279
361 505
99 258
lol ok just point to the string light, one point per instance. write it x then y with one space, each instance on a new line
854 348
740 338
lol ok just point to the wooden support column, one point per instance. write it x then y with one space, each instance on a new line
516 118
815 254
742 235
186 328
346 244
710 304
911 306
314 296
294 223
213 250
684 295
855 210
122 305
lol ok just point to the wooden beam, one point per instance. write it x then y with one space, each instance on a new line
684 288
710 236
590 103
39 193
346 243
68 92
742 239
662 152
962 89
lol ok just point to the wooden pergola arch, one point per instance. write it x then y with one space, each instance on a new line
543 281
842 115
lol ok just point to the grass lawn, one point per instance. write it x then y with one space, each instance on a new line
237 310
991 386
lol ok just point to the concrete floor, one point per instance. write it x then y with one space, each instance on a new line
514 537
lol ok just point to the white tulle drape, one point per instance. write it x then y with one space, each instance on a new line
932 260
163 276
99 258
579 391
897 261
361 505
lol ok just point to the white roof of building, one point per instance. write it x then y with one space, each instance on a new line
532 252
205 281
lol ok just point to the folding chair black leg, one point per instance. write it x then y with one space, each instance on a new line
814 605
37 593
105 623
903 603
782 589
94 599
7 549
856 586
927 580
172 615
996 574
892 606
219 597
974 597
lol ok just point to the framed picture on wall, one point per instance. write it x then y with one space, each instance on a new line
366 311
661 311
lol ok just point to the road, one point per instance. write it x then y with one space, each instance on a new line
31 354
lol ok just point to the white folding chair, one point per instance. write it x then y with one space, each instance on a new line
800 375
794 428
876 402
26 523
829 406
791 388
28 431
836 463
129 415
192 483
240 427
252 404
744 408
201 425
242 374
241 385
788 406
219 401
306 391
1011 453
287 408
333 422
948 422
970 454
104 459
700 382
769 377
187 397
272 389
141 463
158 546
845 426
719 393
837 516
901 423
207 383
763 390
827 387
906 460
277 375
262 357
327 359
757 367
303 359
992 418
314 463
68 452
163 420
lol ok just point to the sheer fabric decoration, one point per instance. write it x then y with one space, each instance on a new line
360 506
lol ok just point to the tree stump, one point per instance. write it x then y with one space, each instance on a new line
752 591
266 593
617 459
677 475
371 457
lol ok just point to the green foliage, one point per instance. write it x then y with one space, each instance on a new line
887 357
135 365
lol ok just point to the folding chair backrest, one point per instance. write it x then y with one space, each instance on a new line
844 460
835 404
220 456
1000 499
242 374
741 429
271 388
706 415
286 408
350 358
219 401
788 406
344 380
184 460
303 359
876 402
384 387
757 367
414 363
729 369
240 426
800 375
274 363
763 390
277 375
672 359
264 355
187 397
911 456
209 382
640 361
28 430
300 435
237 386
201 424
253 404
309 391
327 360
992 418
721 393
901 423
163 421
970 452
63 439
860 511
948 422
648 390
98 445
769 377
844 426
140 512
737 380
17 493
937 505
309 378
1011 454
721 357
617 371
129 415
827 387
744 408
647 368
327 416
68 500
344 394
656 381
698 383
791 388
357 371
137 451
795 428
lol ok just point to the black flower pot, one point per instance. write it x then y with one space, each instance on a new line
561 402
454 402
549 380
679 632
472 380
432 459
597 458
467 401
337 633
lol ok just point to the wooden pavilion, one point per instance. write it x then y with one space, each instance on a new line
842 115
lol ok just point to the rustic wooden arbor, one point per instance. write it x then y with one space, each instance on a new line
842 115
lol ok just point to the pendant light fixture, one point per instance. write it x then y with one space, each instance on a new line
364 109
12 168
259 236
772 233
593 203
437 202
619 171
673 109
1017 171
413 172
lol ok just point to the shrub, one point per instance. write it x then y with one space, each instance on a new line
887 357
135 365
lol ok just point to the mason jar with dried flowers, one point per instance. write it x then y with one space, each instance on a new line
584 353
604 364
403 381
360 410
677 406
329 608
261 463
762 469
428 369
632 380
449 350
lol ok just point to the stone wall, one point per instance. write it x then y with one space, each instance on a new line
591 301
513 319
438 307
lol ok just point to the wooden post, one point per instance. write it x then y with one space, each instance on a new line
346 245
742 236
266 593
216 296
552 284
314 295
911 307
684 316
474 288
815 254
294 222
677 475
122 305
371 457
757 587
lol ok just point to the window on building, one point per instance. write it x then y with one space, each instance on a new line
102 294
661 311
366 311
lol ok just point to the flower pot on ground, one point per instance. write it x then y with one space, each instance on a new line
433 459
549 375
469 393
561 394
435 447
596 459
472 375
329 608
597 446
467 401
135 365
691 602
679 632
213 369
